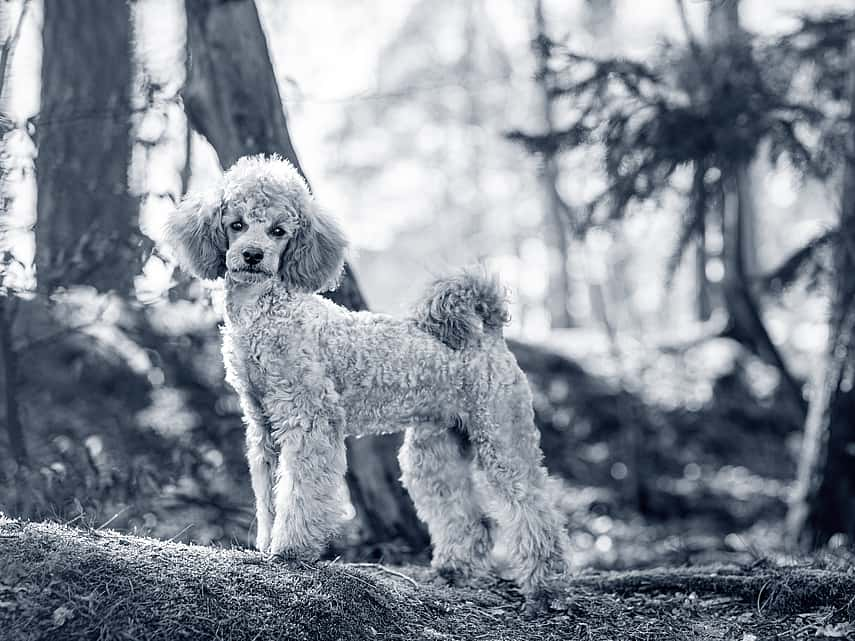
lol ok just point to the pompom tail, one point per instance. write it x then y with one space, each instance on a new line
460 310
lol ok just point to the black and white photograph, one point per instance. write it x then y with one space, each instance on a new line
476 320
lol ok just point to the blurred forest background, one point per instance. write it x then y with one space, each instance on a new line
670 193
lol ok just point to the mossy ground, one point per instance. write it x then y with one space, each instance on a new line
61 583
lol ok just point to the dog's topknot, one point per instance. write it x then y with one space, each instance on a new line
258 175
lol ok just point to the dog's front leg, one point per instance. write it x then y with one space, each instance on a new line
310 487
262 463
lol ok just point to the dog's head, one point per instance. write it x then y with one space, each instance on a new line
260 222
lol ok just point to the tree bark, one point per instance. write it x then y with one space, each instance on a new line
824 500
87 228
232 98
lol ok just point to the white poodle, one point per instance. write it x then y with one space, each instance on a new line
309 372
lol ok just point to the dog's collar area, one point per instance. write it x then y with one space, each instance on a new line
246 299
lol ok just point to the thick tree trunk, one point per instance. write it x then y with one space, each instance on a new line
87 227
824 501
232 98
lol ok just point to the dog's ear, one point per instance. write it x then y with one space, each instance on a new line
314 257
194 233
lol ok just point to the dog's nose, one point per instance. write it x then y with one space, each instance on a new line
252 256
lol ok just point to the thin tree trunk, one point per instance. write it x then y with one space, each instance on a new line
824 500
11 35
473 114
599 18
555 224
232 98
14 427
699 193
87 228
703 302
746 322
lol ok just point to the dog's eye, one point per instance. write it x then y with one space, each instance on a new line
277 231
237 226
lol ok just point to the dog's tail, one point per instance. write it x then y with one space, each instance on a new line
461 309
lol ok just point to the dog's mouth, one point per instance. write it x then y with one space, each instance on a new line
250 274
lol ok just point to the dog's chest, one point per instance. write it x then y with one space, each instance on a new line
244 360
258 353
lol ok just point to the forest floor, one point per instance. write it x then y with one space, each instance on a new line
62 583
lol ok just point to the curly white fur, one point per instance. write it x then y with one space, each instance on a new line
309 372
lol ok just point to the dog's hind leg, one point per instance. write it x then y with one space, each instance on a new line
436 470
511 478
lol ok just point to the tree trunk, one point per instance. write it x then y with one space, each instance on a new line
87 227
703 300
599 19
746 323
232 98
473 116
739 216
14 427
555 223
824 500
11 33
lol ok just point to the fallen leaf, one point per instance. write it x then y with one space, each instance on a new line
61 615
836 631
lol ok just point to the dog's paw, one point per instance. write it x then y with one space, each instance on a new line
290 556
458 577
262 539
282 557
544 602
